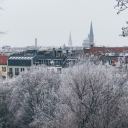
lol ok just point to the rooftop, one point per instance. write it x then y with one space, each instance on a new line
3 59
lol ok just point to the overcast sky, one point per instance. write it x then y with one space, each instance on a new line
50 21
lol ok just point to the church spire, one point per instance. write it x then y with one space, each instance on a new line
91 36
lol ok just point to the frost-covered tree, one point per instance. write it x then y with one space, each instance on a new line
1 2
92 95
34 99
122 5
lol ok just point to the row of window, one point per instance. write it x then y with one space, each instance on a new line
52 70
105 61
48 61
19 62
17 70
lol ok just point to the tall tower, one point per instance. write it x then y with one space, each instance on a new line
91 35
70 40
35 42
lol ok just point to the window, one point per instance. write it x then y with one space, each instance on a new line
110 62
10 69
3 69
22 69
4 77
16 71
19 62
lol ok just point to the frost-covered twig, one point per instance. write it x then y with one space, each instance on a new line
121 5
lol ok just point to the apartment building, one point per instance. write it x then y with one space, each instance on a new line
20 62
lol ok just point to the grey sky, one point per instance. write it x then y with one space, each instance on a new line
50 21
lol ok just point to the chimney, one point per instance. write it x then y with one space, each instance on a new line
105 50
60 52
54 52
35 42
91 45
67 52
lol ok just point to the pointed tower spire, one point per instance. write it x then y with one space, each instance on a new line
91 36
70 40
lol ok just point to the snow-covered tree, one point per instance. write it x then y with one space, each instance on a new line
92 95
34 99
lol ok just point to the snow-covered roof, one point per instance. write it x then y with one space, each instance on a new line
20 58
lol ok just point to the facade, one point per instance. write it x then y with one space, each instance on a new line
3 66
17 63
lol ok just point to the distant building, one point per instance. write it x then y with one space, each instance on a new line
19 49
6 47
70 41
86 43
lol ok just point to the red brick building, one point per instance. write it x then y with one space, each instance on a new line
103 50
